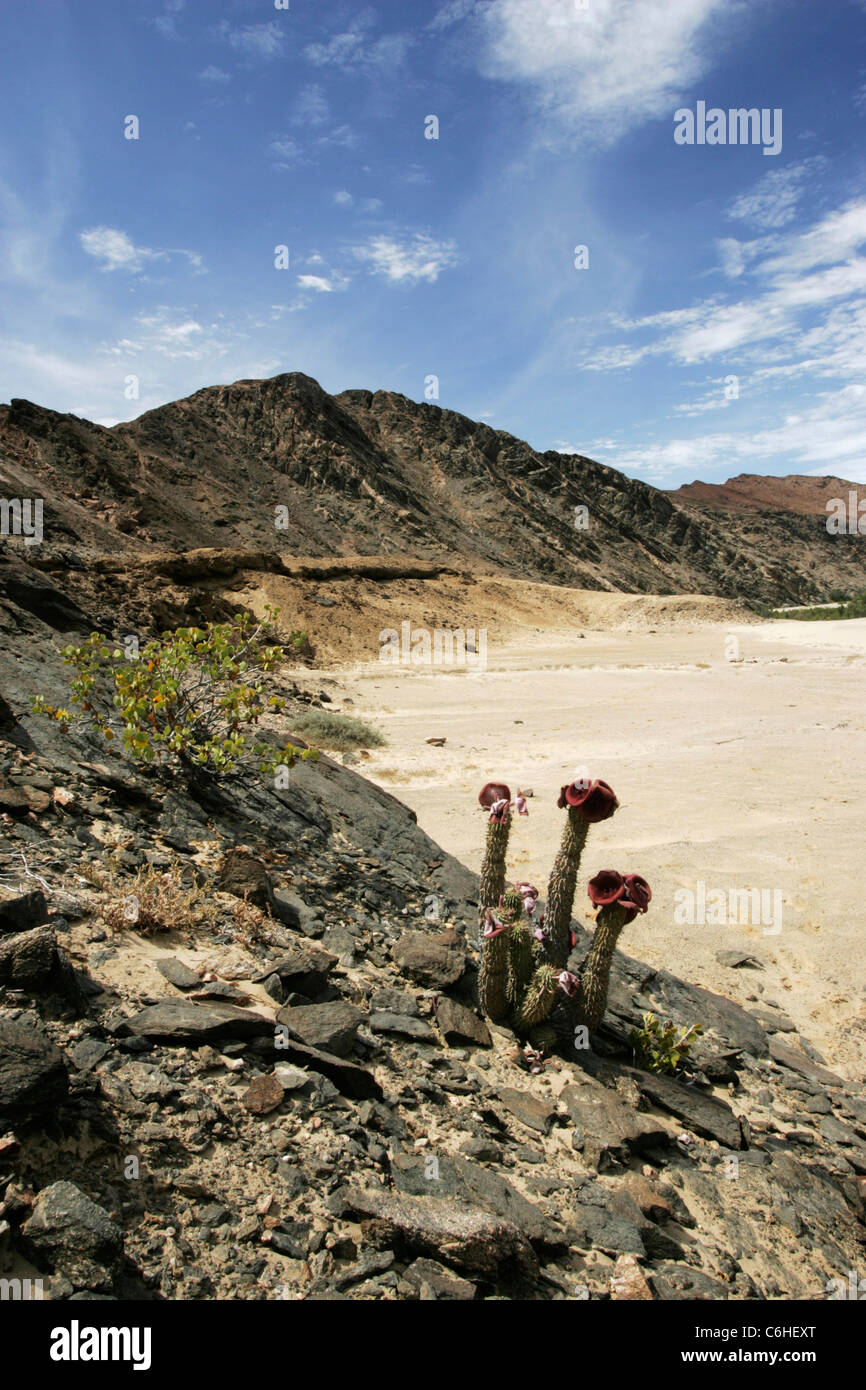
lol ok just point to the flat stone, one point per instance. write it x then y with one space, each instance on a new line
292 911
349 1078
264 1094
610 1129
454 1176
291 1078
772 1021
328 1027
182 1023
737 960
416 1028
304 969
529 1109
21 911
703 1114
177 973
394 1001
458 1024
433 960
462 1236
443 1283
791 1057
33 1076
674 1283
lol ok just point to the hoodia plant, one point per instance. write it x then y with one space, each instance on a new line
524 953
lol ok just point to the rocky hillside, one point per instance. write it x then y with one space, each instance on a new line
749 492
290 1094
373 473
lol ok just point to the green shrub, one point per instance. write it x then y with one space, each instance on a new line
661 1047
338 732
191 696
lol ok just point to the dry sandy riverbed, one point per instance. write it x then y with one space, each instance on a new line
734 773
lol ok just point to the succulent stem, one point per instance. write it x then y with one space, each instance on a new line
595 972
560 891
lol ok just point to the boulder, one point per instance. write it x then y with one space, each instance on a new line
434 961
327 1027
33 1075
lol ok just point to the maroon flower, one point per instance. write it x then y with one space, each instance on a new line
569 983
493 926
631 891
492 792
529 894
594 801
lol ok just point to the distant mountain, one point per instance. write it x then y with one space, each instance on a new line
373 473
750 492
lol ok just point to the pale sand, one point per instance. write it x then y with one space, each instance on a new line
741 774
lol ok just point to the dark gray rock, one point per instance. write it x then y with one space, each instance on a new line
33 1076
292 911
442 1283
788 1056
458 1024
531 1110
394 1001
182 1023
245 876
28 960
677 1282
304 969
327 1027
737 960
177 973
457 1177
21 911
702 1113
70 1235
609 1128
462 1236
382 1022
433 960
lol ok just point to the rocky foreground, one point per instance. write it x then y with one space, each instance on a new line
291 1093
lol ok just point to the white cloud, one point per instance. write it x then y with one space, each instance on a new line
452 13
287 153
323 284
773 201
609 68
829 437
117 251
409 260
214 74
354 50
253 40
311 107
343 199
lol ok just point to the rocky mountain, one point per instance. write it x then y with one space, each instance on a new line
280 465
749 492
289 1092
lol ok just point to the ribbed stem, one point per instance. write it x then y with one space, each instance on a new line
520 963
595 975
560 891
538 1000
493 970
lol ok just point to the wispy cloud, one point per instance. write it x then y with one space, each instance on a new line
354 50
214 75
773 201
311 106
608 68
409 260
115 250
255 41
322 284
286 152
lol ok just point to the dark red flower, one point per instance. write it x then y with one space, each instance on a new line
492 792
631 891
594 801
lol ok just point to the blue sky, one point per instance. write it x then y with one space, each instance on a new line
719 326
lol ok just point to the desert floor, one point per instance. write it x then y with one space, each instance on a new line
737 750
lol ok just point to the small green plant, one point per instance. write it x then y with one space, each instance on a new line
339 732
662 1047
191 696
